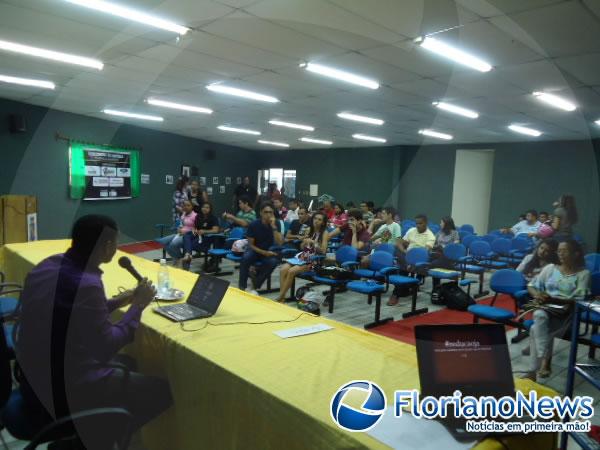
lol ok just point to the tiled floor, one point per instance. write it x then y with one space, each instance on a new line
351 308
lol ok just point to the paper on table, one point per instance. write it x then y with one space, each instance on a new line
407 432
301 331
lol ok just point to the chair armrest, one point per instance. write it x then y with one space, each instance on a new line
387 270
214 235
350 264
466 282
465 259
491 254
422 265
522 296
10 291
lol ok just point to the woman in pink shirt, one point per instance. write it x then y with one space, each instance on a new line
188 220
339 216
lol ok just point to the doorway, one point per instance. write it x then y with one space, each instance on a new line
284 179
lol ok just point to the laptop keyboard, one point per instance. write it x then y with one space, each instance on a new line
184 311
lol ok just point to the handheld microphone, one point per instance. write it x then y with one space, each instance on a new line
125 263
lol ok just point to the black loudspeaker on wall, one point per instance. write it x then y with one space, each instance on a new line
210 155
16 123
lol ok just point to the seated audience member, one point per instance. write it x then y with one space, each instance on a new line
66 340
565 217
530 226
262 234
197 195
447 235
272 192
299 227
244 216
544 218
315 243
328 210
367 214
197 240
339 216
187 220
418 236
292 212
355 232
388 230
544 254
554 293
280 210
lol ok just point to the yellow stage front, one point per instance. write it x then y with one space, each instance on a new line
238 385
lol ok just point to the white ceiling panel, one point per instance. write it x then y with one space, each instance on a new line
537 76
585 68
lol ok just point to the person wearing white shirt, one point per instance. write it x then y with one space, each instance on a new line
292 213
530 226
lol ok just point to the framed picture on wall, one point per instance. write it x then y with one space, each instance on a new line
238 180
221 189
215 180
209 190
227 180
203 181
186 171
169 179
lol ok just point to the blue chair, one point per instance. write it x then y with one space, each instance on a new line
503 247
457 255
504 281
378 260
407 224
346 256
162 227
592 262
468 240
372 289
219 253
434 227
519 248
464 234
593 317
482 255
467 227
390 248
8 305
489 238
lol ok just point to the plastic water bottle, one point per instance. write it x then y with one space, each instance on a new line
164 283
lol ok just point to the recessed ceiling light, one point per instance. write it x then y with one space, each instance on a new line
27 82
114 112
340 75
456 110
315 141
221 89
597 122
276 144
172 105
298 126
436 134
238 130
51 54
364 137
524 130
131 14
453 53
556 101
363 119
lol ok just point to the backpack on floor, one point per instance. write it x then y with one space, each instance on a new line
310 301
454 297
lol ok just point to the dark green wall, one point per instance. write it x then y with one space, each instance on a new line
35 163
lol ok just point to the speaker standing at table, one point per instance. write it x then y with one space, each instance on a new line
65 340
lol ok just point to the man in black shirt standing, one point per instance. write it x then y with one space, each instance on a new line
244 189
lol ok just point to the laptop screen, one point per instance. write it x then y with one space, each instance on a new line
208 293
473 358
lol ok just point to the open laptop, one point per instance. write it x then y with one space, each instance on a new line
472 358
203 301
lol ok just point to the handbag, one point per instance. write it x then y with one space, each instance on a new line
334 272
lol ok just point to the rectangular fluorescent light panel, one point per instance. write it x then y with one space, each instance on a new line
556 101
364 137
436 134
524 130
597 122
340 75
276 144
297 126
456 110
131 14
315 141
221 89
238 130
114 112
363 119
182 107
454 54
27 82
50 54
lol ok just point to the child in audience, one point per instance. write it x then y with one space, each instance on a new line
554 291
244 216
315 243
544 254
188 220
355 232
196 239
565 216
339 216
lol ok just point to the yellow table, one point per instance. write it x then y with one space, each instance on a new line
242 387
